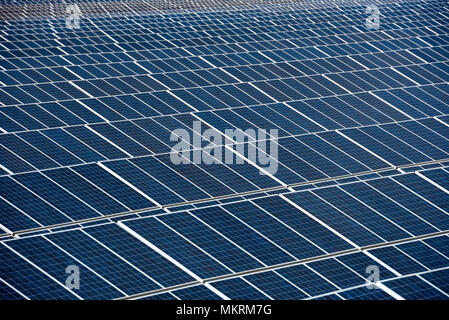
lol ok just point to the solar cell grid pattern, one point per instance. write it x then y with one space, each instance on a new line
86 177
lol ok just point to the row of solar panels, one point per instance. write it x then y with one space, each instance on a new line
226 32
310 10
67 195
345 275
185 95
312 110
156 180
431 72
344 36
422 265
400 104
52 148
346 110
212 18
235 94
205 242
284 63
229 177
30 86
38 9
221 96
146 254
229 54
174 48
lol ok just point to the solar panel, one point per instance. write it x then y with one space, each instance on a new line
221 150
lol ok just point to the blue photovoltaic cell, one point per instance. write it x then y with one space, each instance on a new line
359 262
309 281
96 142
28 280
282 235
13 162
113 186
200 292
439 279
440 244
228 177
239 289
14 219
275 286
337 273
414 288
169 178
143 182
353 150
64 139
55 195
85 190
361 213
334 218
99 259
29 203
177 247
138 254
424 254
339 157
27 152
51 149
7 293
198 177
204 237
300 222
441 177
53 261
364 293
412 202
141 136
425 190
261 247
403 218
122 140
398 260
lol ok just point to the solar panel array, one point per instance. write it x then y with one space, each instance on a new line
87 180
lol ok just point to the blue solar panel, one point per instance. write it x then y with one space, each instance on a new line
340 166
